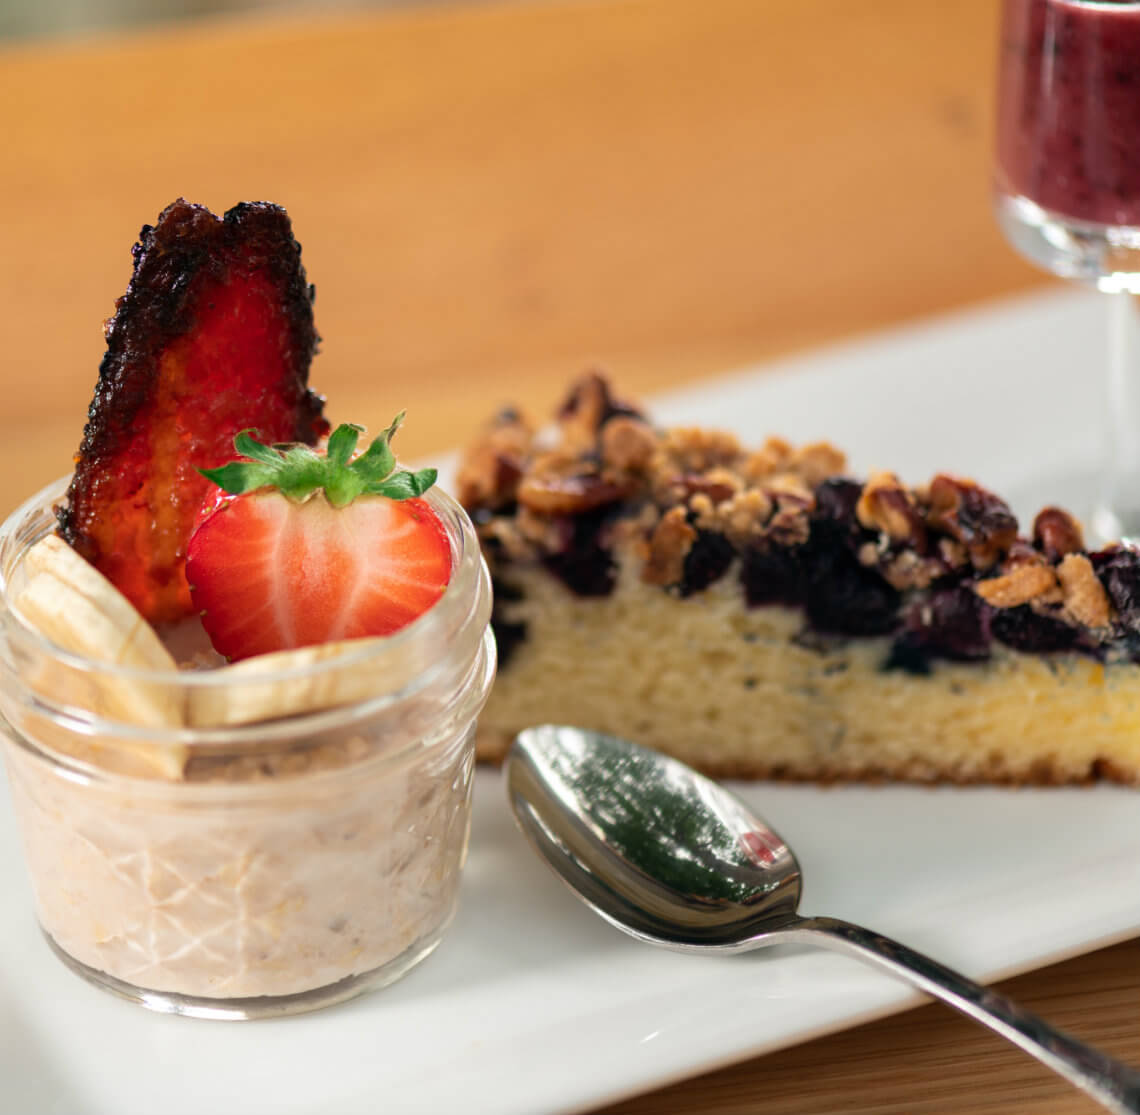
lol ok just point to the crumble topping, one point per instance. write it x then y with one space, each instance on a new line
1020 585
1084 597
941 567
670 543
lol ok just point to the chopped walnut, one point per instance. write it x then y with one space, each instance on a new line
1020 585
491 469
887 506
1056 533
627 444
817 462
978 519
669 545
1085 600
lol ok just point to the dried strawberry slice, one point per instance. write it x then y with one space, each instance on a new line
214 335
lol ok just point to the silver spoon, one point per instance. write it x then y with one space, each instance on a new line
673 859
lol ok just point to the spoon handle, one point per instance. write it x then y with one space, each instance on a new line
1113 1084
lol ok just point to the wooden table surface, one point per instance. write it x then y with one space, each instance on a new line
490 198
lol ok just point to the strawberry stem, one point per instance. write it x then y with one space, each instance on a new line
297 471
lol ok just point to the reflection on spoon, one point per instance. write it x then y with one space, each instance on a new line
671 858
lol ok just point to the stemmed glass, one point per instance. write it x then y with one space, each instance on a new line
1067 193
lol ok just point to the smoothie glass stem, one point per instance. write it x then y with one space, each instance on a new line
1117 515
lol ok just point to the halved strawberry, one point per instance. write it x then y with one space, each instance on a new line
312 549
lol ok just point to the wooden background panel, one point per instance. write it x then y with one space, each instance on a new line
492 196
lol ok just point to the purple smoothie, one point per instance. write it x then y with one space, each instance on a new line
1068 130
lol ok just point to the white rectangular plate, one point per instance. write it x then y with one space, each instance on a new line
533 1006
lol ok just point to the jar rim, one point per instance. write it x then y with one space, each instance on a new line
460 716
437 625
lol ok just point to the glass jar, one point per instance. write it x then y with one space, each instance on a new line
256 839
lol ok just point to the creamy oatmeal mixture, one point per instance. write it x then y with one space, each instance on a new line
326 876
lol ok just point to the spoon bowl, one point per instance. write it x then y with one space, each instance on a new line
655 848
672 858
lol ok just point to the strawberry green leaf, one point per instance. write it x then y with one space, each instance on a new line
241 476
302 473
405 485
297 471
378 460
342 443
343 486
248 446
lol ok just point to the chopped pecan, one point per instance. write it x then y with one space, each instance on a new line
669 545
568 493
1020 585
628 443
887 506
978 519
1085 600
1056 533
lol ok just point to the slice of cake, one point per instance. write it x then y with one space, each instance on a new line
759 614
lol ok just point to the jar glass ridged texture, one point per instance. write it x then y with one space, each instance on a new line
240 842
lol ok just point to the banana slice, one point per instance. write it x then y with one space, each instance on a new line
244 694
75 607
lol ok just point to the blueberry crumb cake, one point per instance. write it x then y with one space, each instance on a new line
759 614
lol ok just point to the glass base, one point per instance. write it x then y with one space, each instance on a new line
1105 256
268 1006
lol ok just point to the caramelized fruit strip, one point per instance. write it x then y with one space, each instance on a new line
213 335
